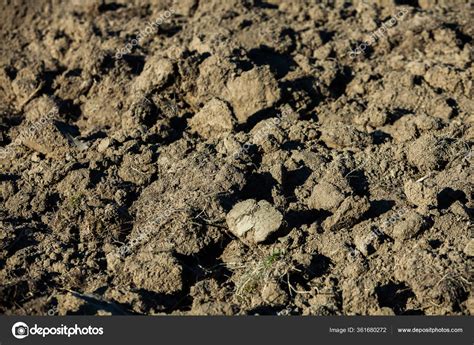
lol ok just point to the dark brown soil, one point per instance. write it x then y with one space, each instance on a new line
236 157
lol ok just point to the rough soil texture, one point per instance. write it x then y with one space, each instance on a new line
237 157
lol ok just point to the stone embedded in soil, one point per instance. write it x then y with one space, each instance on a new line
427 153
351 210
160 273
252 92
411 224
254 221
214 119
325 196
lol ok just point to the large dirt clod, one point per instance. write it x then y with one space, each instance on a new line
254 221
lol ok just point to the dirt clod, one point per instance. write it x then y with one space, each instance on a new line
254 221
348 213
213 120
408 227
251 92
159 273
326 196
427 153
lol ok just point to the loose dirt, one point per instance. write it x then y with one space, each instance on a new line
236 157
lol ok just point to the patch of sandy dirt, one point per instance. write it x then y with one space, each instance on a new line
236 157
